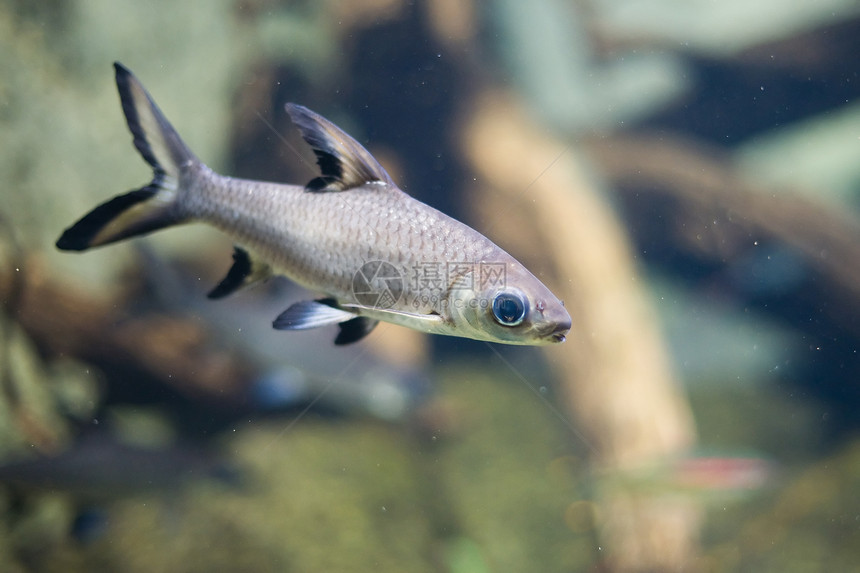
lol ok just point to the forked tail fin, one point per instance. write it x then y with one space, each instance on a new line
151 207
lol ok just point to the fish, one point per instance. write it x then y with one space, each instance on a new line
372 252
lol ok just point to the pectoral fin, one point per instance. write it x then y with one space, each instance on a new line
245 271
312 314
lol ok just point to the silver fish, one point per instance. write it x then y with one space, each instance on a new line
376 253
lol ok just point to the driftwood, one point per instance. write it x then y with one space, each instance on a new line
692 215
615 375
719 217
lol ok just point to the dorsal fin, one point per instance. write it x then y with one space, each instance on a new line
344 163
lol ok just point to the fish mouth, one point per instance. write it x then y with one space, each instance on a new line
557 333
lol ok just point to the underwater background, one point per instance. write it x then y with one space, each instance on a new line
686 176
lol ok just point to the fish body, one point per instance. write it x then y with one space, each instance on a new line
374 252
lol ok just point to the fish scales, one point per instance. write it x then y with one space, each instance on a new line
291 228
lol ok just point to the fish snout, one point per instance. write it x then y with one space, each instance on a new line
559 333
557 327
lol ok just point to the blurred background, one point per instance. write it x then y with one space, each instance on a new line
685 176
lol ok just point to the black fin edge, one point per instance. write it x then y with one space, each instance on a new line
354 330
125 80
236 276
321 183
79 236
344 163
126 83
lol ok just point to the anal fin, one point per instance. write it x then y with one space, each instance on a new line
354 330
245 271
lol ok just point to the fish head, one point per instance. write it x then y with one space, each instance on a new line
515 309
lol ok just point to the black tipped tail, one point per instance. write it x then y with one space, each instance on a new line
119 218
151 207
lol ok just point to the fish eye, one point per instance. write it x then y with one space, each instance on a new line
509 308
